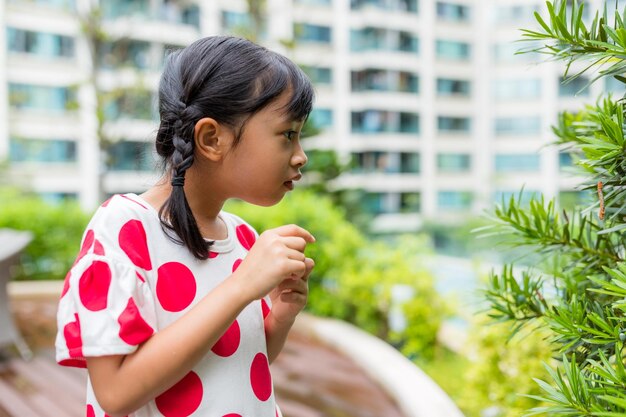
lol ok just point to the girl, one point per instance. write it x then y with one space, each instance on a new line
168 303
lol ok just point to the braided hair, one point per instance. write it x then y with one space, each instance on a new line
225 78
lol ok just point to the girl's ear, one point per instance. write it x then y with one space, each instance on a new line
210 139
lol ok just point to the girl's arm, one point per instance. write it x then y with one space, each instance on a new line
124 383
288 299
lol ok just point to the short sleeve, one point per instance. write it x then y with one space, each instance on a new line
106 307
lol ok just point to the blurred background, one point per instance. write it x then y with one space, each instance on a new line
425 118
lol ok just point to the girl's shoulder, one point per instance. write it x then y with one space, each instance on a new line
124 220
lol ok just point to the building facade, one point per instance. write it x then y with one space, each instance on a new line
428 99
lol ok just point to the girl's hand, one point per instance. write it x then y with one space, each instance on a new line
277 255
290 296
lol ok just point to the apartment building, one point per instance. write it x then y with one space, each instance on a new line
427 97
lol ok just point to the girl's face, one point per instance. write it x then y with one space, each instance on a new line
266 162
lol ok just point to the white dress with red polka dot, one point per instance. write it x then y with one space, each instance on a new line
130 280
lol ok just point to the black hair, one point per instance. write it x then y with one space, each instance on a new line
228 79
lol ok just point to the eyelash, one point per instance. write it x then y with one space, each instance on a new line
290 134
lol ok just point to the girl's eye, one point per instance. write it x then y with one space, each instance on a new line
290 134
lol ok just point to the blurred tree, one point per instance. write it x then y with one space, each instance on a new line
579 288
57 231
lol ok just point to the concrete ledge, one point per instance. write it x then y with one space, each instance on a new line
415 393
19 289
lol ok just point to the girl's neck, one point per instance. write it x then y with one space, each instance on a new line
204 208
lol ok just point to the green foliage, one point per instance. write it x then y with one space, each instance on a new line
577 287
57 233
354 278
500 374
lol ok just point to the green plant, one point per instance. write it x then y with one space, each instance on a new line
356 279
578 287
57 233
499 377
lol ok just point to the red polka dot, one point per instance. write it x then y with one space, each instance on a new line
232 415
236 264
90 411
277 415
176 286
141 278
98 249
213 254
73 339
132 240
260 377
246 236
133 328
66 284
84 248
93 286
229 342
265 308
183 398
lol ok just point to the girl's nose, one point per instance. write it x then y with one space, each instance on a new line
299 158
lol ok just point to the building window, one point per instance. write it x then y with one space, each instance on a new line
454 200
375 203
66 5
409 163
45 45
305 32
125 52
131 156
509 52
42 150
517 89
314 2
390 5
613 85
319 75
576 87
322 118
453 162
373 162
37 97
452 87
380 121
518 126
384 80
515 14
446 124
517 162
410 202
453 12
132 104
568 160
452 50
377 39
112 9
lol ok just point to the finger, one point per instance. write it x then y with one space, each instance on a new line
296 255
293 285
294 242
294 267
293 297
295 230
